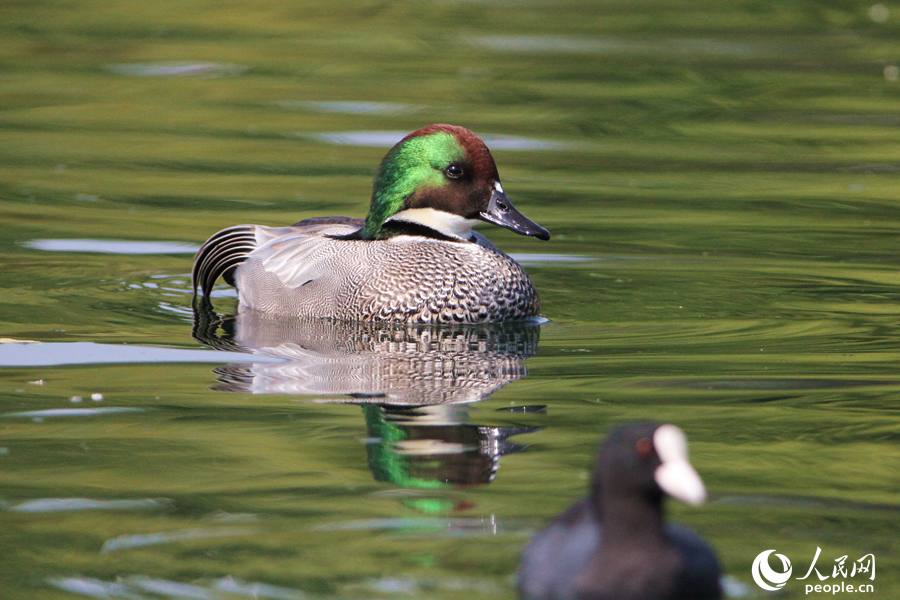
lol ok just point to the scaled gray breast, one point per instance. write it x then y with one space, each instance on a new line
307 271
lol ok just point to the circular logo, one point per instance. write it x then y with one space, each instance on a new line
763 574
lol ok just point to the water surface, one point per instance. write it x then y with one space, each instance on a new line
721 183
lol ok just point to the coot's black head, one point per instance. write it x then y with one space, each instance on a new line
645 460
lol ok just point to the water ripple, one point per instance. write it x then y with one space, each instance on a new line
386 139
89 353
111 246
151 539
176 69
351 108
43 505
75 412
614 45
131 588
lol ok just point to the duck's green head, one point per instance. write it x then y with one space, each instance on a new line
441 177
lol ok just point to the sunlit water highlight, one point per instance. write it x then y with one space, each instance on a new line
386 139
352 108
112 246
176 69
88 353
613 45
44 505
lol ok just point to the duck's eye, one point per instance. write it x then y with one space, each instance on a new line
454 171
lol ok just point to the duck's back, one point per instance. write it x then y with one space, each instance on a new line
312 269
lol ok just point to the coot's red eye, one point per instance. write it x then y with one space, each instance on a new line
644 447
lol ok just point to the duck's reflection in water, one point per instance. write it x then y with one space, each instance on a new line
413 383
433 446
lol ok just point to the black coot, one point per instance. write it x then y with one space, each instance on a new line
615 544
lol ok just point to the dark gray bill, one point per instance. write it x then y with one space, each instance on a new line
500 211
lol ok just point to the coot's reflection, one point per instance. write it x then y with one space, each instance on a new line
413 382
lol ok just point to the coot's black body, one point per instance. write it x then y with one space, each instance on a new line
614 544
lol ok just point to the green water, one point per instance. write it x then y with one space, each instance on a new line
731 169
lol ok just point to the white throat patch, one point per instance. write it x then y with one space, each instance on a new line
453 226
